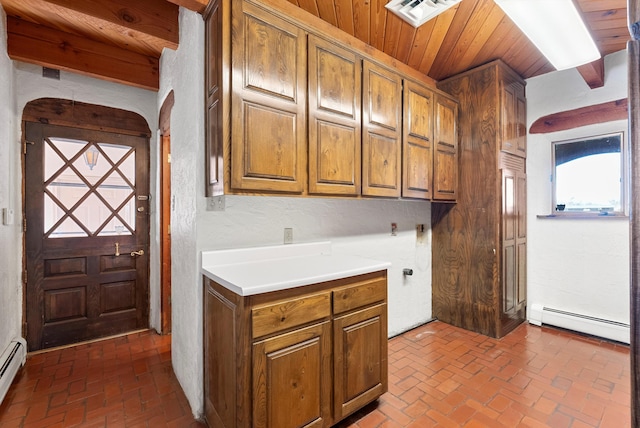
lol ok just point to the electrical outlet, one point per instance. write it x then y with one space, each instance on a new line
288 235
215 203
8 216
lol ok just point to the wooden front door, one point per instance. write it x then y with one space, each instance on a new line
86 234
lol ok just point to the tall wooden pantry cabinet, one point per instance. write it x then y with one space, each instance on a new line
479 244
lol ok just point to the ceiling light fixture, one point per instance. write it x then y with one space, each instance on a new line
556 28
417 12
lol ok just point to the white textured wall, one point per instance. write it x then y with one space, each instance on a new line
183 71
30 85
10 235
575 265
360 227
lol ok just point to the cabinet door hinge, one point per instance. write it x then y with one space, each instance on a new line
24 224
24 276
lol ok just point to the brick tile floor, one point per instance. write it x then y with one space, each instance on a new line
443 376
120 382
439 376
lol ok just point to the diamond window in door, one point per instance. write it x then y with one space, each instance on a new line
89 189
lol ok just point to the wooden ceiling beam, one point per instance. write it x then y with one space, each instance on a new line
45 46
194 5
158 19
593 73
590 115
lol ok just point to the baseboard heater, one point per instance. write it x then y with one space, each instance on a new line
13 357
612 330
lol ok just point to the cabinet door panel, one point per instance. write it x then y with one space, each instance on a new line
521 122
268 130
270 58
381 166
220 375
521 237
335 129
360 359
292 379
274 140
417 143
382 133
335 156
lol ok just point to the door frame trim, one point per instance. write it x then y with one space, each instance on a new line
165 212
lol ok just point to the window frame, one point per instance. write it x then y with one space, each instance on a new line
624 172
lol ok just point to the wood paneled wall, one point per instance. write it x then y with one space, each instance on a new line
465 265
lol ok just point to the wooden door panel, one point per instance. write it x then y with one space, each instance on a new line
77 287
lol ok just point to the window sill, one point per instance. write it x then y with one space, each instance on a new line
582 216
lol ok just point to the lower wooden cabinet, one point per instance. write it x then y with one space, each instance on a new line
304 357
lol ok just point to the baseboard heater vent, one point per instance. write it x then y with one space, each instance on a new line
13 357
608 329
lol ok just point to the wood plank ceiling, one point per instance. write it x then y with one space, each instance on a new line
122 40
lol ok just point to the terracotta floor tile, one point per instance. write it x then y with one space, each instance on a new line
440 376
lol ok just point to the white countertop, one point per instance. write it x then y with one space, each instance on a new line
258 270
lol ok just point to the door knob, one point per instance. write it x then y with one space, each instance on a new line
137 253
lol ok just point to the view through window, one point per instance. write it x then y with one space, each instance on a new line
588 175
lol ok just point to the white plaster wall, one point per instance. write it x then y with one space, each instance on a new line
30 85
182 71
575 265
10 235
360 227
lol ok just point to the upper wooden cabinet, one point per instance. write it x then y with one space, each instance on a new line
430 144
293 110
381 131
268 103
334 119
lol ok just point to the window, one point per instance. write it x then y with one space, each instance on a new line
588 176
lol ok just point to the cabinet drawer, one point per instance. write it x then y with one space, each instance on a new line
359 294
285 314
